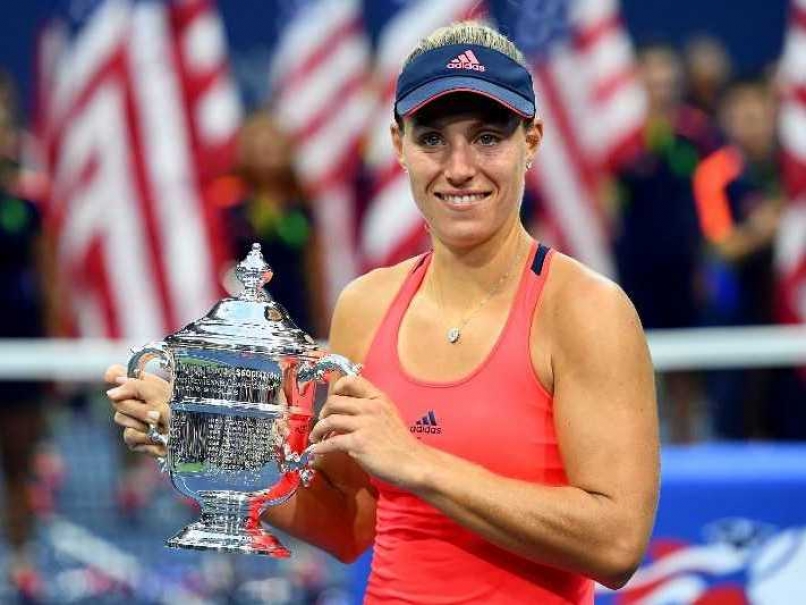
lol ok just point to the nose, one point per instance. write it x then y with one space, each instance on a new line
460 166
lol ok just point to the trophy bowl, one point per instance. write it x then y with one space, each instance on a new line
244 383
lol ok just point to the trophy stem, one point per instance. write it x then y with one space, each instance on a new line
229 522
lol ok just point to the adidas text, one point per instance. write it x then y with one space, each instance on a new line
431 430
458 65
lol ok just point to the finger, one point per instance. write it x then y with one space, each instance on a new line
340 404
338 423
149 389
128 422
355 386
132 438
336 443
142 411
138 441
114 372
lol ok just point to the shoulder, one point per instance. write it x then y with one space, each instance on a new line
361 307
583 307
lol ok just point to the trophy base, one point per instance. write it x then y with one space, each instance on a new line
199 536
230 522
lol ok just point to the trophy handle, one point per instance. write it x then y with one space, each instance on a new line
325 367
160 352
328 367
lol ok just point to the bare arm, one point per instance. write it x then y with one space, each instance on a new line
606 423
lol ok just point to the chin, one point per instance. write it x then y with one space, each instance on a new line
463 236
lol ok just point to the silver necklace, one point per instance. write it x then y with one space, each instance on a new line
454 333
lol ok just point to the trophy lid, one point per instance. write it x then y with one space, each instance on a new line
251 321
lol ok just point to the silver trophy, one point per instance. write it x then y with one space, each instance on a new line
244 381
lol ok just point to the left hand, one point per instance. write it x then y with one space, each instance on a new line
361 421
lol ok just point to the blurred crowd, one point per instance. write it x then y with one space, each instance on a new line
693 217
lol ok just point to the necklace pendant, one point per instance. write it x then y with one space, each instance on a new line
453 335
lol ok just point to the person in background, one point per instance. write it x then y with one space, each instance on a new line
263 202
708 70
657 239
739 201
21 316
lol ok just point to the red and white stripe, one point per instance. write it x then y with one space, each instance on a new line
592 109
321 69
791 244
141 114
392 227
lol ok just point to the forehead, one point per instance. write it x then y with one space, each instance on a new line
463 106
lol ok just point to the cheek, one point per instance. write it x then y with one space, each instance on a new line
421 171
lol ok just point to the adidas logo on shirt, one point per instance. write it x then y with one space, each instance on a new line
467 60
427 424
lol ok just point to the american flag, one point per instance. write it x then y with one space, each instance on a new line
791 244
587 95
335 76
320 75
135 113
592 107
392 228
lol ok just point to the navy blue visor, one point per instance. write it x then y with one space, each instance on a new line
464 68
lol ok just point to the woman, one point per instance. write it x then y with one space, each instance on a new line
264 202
501 445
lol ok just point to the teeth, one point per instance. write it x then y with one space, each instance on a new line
464 199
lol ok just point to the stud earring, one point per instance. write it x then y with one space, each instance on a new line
528 164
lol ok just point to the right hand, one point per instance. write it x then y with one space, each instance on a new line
138 404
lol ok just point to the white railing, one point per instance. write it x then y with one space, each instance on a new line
701 348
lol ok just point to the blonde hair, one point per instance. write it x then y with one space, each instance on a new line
468 32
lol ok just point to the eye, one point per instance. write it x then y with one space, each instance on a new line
430 139
488 139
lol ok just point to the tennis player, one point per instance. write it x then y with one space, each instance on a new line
501 445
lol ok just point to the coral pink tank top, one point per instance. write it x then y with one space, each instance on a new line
499 416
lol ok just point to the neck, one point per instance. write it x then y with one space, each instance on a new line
466 274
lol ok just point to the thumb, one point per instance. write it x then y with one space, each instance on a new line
356 386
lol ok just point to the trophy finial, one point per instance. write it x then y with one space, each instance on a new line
253 272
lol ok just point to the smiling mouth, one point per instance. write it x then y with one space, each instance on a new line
464 198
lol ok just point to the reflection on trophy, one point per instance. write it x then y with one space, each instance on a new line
244 381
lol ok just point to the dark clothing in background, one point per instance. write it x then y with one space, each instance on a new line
284 236
746 287
20 293
748 403
657 239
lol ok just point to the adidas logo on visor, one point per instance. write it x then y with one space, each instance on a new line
467 60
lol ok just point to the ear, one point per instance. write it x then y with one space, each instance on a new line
534 135
397 143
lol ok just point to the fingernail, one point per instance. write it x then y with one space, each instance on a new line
153 416
122 379
113 391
